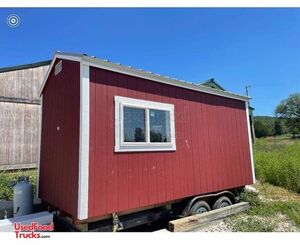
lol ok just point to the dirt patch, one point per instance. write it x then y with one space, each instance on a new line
284 225
220 226
244 223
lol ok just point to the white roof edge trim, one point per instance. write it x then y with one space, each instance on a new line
141 74
153 77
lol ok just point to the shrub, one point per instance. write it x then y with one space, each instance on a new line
250 197
7 177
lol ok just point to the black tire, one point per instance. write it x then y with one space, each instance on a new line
199 207
222 202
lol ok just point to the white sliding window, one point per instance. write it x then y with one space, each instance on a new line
142 125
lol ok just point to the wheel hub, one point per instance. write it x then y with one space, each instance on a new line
201 210
224 204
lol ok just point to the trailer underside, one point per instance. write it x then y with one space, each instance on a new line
133 218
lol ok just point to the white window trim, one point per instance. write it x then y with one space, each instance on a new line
121 146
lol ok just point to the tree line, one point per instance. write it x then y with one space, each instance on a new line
286 119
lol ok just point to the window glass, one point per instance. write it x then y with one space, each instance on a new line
134 124
159 126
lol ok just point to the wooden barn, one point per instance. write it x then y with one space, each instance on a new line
115 138
20 114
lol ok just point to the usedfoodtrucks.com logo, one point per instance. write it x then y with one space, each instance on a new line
32 230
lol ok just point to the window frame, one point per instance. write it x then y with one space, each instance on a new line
121 146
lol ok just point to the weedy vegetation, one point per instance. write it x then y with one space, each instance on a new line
8 177
277 164
266 214
277 161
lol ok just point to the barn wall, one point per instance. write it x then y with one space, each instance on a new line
58 180
211 138
24 83
19 124
19 117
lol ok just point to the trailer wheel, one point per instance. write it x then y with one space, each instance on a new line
199 208
222 202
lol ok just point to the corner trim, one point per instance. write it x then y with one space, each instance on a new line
250 142
83 175
40 148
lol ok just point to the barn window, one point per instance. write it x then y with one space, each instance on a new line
159 126
134 124
142 125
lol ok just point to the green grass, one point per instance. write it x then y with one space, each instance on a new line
7 177
268 209
277 161
263 216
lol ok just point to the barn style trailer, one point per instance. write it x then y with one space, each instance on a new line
116 141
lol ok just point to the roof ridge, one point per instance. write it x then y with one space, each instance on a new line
25 66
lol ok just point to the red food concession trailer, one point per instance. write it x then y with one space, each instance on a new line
117 142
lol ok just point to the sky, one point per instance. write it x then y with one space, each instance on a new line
235 46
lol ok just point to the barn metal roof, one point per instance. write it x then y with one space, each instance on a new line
129 70
213 84
26 66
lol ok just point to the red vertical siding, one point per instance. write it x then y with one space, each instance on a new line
211 137
59 148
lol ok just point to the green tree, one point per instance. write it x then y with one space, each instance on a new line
261 129
290 110
278 129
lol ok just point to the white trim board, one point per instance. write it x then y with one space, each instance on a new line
40 148
83 180
250 141
94 62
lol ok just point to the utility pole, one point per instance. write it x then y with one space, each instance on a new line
247 90
251 119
